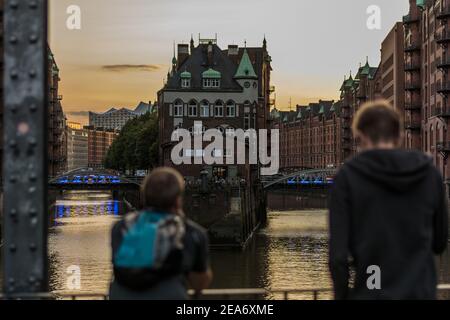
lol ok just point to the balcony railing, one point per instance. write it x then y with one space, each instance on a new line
411 47
443 13
443 146
411 106
412 85
410 18
442 112
411 124
412 66
442 37
443 88
443 62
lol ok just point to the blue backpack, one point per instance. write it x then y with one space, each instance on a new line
147 248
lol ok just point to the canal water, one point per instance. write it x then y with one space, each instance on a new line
290 253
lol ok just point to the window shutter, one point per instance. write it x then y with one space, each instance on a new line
237 110
211 110
171 110
185 109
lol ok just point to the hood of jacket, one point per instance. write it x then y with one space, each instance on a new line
398 170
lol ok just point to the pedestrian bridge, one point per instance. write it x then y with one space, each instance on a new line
90 179
304 177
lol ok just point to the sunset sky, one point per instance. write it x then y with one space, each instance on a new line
124 48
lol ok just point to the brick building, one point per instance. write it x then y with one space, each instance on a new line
77 146
211 88
57 137
319 135
427 115
99 141
310 137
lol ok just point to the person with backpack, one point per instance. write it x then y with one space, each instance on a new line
157 252
388 215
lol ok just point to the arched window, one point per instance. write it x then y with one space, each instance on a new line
204 109
192 110
178 108
218 109
231 109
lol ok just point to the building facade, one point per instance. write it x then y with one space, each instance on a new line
211 88
115 119
310 137
57 137
99 141
427 115
77 146
393 68
319 135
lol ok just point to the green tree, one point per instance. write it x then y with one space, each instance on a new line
136 147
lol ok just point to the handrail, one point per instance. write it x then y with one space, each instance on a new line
255 293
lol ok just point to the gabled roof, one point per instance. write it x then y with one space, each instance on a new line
197 63
245 69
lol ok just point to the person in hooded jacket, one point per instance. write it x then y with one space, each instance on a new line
388 215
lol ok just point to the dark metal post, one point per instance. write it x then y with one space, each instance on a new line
25 147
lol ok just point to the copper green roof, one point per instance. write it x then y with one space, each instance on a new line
174 60
349 82
245 69
186 75
332 109
211 74
299 115
420 3
366 69
322 110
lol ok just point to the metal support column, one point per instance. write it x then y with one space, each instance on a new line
25 147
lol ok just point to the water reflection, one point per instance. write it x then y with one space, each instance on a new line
81 223
291 253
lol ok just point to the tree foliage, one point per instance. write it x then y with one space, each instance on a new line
136 147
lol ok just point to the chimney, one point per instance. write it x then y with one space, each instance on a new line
233 50
183 54
233 53
210 54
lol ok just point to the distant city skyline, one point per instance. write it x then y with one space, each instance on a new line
124 48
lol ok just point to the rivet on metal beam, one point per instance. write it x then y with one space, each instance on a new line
32 73
33 142
33 212
13 143
14 74
13 213
33 246
12 248
33 4
13 40
33 38
14 4
33 107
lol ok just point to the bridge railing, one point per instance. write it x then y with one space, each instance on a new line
211 294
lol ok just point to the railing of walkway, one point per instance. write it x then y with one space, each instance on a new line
213 294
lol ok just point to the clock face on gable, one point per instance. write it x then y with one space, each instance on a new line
247 84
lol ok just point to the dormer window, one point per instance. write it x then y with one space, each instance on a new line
211 79
185 79
185 83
